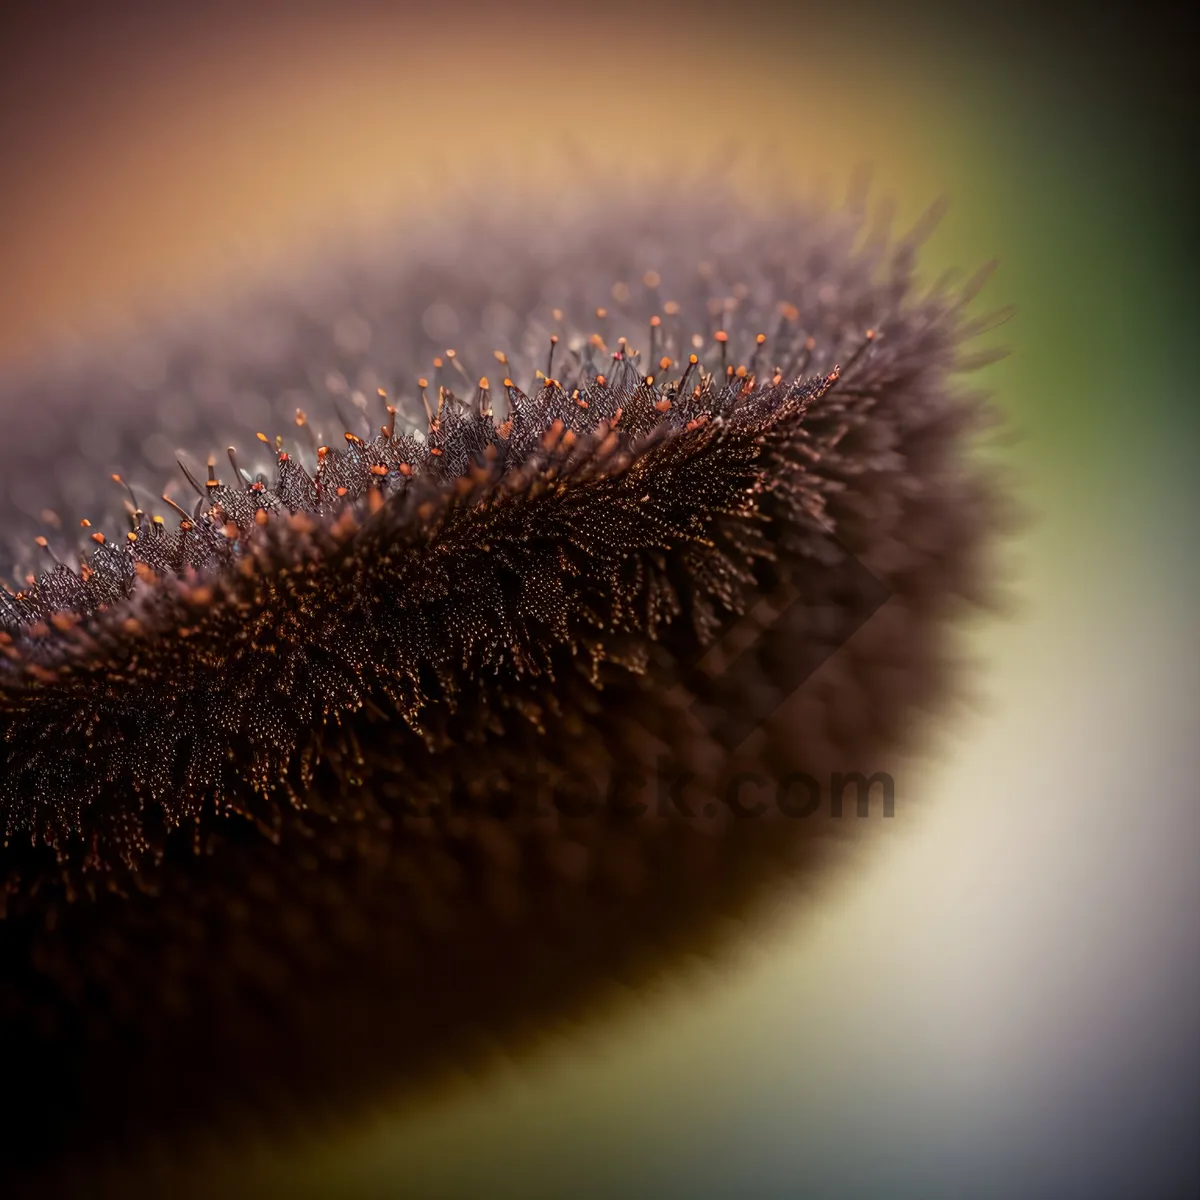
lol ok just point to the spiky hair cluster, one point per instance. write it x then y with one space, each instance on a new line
291 776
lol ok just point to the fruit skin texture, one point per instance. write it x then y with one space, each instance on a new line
292 791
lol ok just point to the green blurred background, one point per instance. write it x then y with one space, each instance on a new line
1002 999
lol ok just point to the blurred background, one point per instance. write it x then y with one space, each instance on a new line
1004 999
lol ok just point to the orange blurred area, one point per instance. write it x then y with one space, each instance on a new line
154 155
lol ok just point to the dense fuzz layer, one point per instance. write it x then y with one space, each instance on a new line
276 757
212 670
